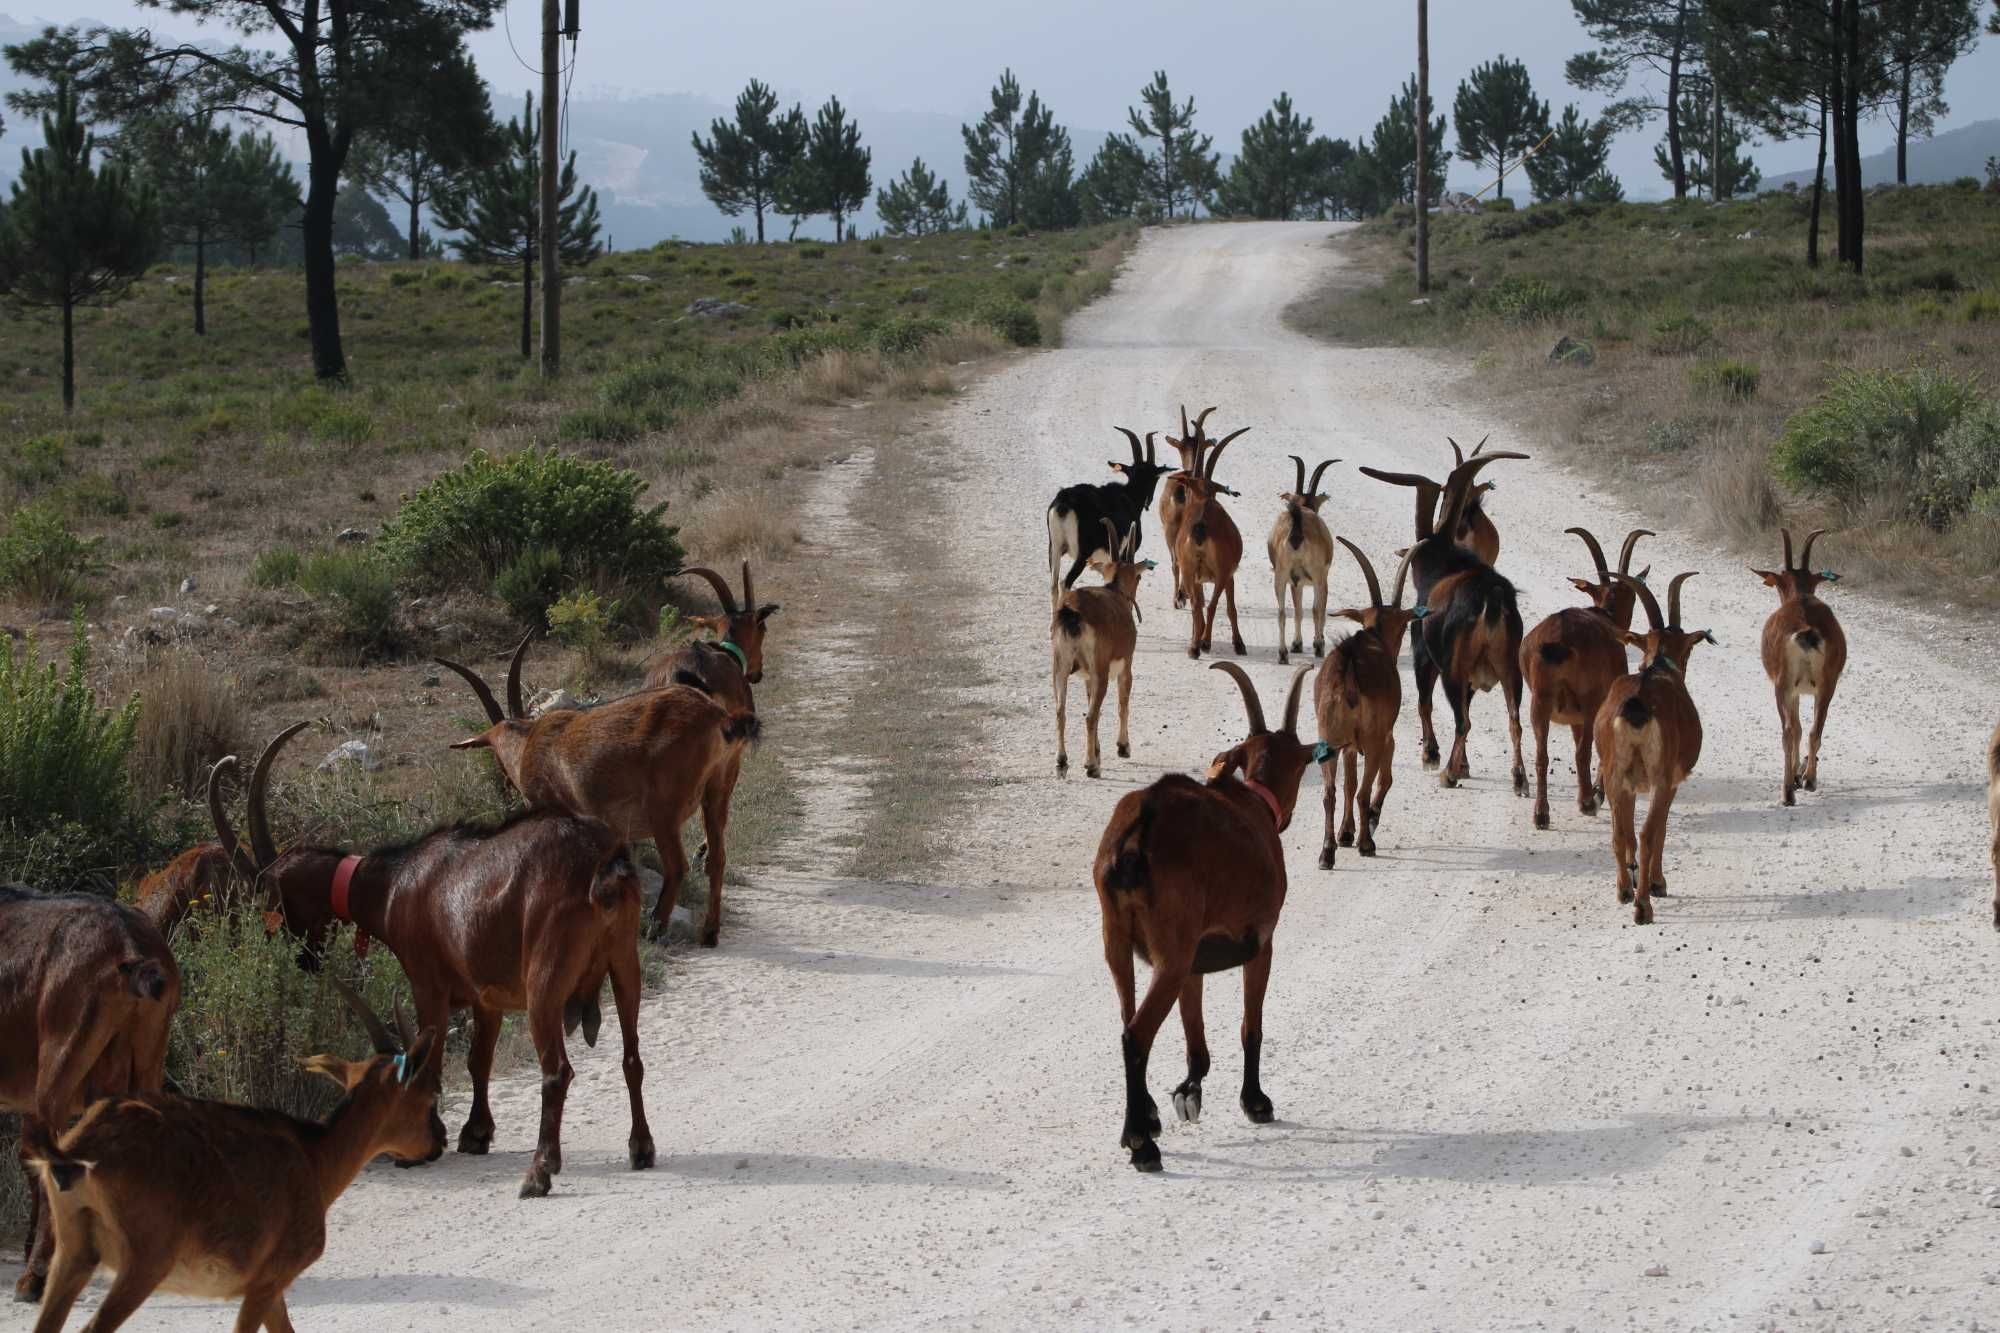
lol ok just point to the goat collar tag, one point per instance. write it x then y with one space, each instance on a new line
1277 815
1322 752
1826 574
343 882
1664 661
741 659
402 1063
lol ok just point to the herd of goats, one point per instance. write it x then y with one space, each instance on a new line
1190 874
537 912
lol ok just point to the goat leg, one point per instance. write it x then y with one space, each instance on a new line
625 988
1187 1096
1510 689
1351 764
1278 587
1208 621
1821 701
1099 681
1371 812
1538 721
1319 615
1426 673
1235 631
1331 801
1788 723
1061 678
1256 976
139 1279
1298 617
477 1135
1142 1113
1624 846
1124 708
1586 798
74 1264
715 824
36 1252
1456 768
545 1026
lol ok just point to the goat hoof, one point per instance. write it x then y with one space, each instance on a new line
1282 659
1194 650
1642 915
1347 835
1582 807
1447 779
1541 816
640 1154
536 1186
1241 651
1062 761
1659 888
1431 756
1258 1108
1090 770
711 935
475 1145
1187 1102
1812 779
1326 861
1624 893
1146 1158
28 1287
1520 779
1124 750
1789 799
1367 847
1319 645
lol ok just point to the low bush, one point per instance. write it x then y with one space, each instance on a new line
1876 432
43 561
359 591
1527 301
189 717
276 568
1729 379
1015 321
531 584
1679 335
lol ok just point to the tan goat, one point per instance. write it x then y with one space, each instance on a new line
1301 548
1093 634
1804 653
1356 698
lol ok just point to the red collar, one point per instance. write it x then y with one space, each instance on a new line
1277 815
343 882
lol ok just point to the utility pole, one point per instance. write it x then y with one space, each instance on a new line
551 116
1423 130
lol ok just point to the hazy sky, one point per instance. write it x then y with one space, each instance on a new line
1339 60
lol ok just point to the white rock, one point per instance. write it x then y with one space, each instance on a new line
1817 1247
351 752
552 700
351 535
165 613
212 609
1657 1270
187 584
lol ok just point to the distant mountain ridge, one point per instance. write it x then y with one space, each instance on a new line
1955 153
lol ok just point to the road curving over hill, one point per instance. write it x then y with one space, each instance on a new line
1500 1105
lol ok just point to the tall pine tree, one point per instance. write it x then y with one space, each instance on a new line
1393 150
744 162
918 203
1498 116
1183 169
837 167
1013 159
1663 43
442 129
1739 175
1278 169
1577 151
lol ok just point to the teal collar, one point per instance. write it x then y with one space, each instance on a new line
1321 752
1664 661
736 653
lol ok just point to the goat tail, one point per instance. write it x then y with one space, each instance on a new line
1555 654
743 727
38 1149
144 977
1807 639
1635 714
1496 605
1070 621
1295 537
1130 868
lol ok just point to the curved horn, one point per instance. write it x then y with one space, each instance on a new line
479 687
716 581
1312 487
1787 534
1458 488
1367 571
1427 495
1150 458
514 706
1299 486
1805 553
1645 596
1457 454
1597 553
1402 573
1184 425
379 1035
261 846
1674 598
1632 540
224 832
1250 704
1215 451
1201 417
1292 700
405 1033
1137 457
1480 448
749 589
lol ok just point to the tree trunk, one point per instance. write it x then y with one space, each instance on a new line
69 355
1903 127
1818 192
200 280
1423 129
527 304
416 232
1717 184
1850 134
322 296
549 211
1674 104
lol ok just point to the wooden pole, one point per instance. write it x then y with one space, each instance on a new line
551 117
1423 131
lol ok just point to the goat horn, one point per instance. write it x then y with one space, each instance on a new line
1479 448
1292 700
1457 454
1184 425
715 580
1427 495
1674 598
261 846
224 833
379 1035
1250 704
1300 485
403 1032
1632 540
1646 598
1367 571
1596 553
1216 452
1402 572
1458 488
1150 458
1111 543
1312 487
479 687
1786 533
749 589
1805 554
514 706
1137 457
1199 429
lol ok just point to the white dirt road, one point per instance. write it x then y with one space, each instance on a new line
1500 1105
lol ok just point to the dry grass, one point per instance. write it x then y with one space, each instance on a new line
189 717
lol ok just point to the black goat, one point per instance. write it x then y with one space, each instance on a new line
1471 630
1078 513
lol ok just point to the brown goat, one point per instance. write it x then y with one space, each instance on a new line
643 764
1301 549
1191 878
1356 699
1208 552
1570 660
1649 739
214 1199
205 874
733 661
1993 813
1474 530
1094 633
531 914
1173 495
1804 653
88 988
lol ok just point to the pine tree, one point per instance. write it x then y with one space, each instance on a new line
499 210
1575 153
1739 174
1008 156
743 165
1393 150
1498 116
1111 186
1278 168
1183 170
1666 39
918 204
1920 41
1345 186
836 167
442 129
1048 197
73 234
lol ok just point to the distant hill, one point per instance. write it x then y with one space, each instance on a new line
1955 153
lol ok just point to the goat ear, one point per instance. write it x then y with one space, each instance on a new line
419 1054
1225 762
483 741
341 1072
1359 617
1765 575
1117 466
1581 585
764 613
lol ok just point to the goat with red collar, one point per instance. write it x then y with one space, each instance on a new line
531 914
1190 879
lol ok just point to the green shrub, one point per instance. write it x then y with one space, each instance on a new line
42 561
1730 379
37 460
1679 335
606 425
1979 308
812 252
1025 286
1013 320
670 384
1529 301
95 493
1672 437
410 277
447 282
1963 469
359 590
474 521
902 336
530 585
276 568
1874 432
